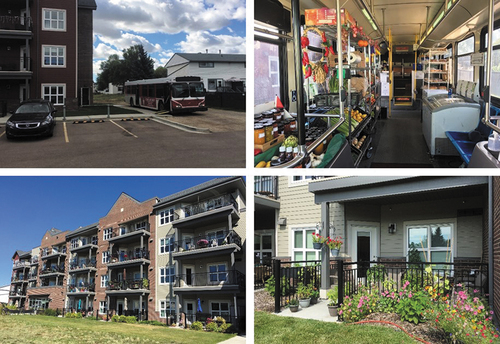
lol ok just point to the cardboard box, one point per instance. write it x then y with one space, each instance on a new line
275 142
327 16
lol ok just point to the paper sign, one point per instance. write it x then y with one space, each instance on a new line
477 59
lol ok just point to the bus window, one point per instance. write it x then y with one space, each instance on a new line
465 71
180 90
159 91
495 66
196 89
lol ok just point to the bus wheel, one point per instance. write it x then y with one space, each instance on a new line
160 106
131 102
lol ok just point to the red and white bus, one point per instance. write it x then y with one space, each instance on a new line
183 94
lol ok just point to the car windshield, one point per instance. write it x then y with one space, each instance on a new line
33 108
180 90
196 89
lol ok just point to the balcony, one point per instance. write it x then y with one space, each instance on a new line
206 281
15 27
210 211
223 241
34 260
20 265
81 288
18 293
52 271
32 276
125 235
19 279
266 186
129 258
84 245
47 254
128 286
82 266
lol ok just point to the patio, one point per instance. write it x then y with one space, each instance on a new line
318 311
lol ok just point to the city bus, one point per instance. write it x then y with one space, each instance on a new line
394 84
182 94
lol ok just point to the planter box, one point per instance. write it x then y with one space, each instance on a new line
304 303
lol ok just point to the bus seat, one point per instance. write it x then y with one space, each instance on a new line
464 142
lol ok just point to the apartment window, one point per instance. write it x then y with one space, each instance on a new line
166 306
54 56
107 233
54 93
215 238
103 307
206 65
465 70
167 244
74 243
166 216
303 245
123 230
167 275
433 241
105 257
104 281
140 225
54 20
217 273
94 240
219 309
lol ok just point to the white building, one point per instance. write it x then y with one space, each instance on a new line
221 72
4 294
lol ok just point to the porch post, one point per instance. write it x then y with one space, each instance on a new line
140 307
177 310
235 308
325 252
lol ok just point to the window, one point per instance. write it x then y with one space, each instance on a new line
167 275
216 238
74 243
219 309
267 72
433 241
103 307
54 56
104 281
495 58
465 70
123 230
141 225
263 247
274 71
206 65
105 257
217 273
107 233
54 20
54 93
164 307
167 244
166 216
303 245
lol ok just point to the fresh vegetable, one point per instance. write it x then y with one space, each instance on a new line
291 141
305 59
261 164
308 71
304 42
257 152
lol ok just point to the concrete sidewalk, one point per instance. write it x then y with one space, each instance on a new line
318 311
241 339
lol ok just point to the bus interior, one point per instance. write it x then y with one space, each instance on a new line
419 85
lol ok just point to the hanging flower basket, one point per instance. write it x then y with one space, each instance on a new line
317 245
334 252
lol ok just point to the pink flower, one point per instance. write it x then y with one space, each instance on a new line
410 295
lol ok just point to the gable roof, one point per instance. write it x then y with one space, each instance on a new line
199 57
81 230
21 254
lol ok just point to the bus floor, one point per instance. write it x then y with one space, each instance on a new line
398 142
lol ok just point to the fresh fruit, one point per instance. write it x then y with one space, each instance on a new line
291 141
261 164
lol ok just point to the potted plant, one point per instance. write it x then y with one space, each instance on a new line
304 293
202 243
145 283
293 305
334 245
318 241
314 294
333 296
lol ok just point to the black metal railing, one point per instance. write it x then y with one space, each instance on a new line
125 256
84 242
288 275
210 204
15 23
52 269
18 292
206 279
199 242
19 278
83 287
262 272
442 277
142 283
53 252
119 233
267 186
32 275
140 315
20 264
15 64
82 264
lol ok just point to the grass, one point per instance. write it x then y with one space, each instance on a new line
97 110
270 328
116 99
41 329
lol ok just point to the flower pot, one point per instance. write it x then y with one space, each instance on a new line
317 245
334 252
304 303
314 300
333 310
294 308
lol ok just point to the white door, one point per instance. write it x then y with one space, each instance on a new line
364 246
190 310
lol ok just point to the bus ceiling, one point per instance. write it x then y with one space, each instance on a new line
438 23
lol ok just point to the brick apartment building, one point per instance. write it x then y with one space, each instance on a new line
46 52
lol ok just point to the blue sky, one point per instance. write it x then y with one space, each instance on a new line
165 27
32 205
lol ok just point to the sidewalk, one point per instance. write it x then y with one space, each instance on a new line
241 339
318 311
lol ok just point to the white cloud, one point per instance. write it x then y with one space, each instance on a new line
103 51
200 41
127 40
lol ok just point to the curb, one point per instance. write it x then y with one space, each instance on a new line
181 126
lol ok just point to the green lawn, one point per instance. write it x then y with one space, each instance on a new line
117 99
97 110
15 329
270 328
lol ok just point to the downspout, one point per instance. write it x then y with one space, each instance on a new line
490 244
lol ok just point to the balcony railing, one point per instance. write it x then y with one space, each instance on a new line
221 239
210 204
20 278
142 283
32 275
20 264
207 279
84 287
17 293
52 270
266 186
83 243
34 260
83 264
128 232
53 252
15 64
126 256
15 23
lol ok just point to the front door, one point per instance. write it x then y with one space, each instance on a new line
363 238
190 309
189 275
119 307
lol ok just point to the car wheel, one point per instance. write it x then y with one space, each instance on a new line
8 136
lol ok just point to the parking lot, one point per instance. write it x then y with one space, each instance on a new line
144 141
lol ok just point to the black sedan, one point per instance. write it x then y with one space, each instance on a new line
32 118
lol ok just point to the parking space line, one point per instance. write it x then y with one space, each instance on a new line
125 130
2 134
65 132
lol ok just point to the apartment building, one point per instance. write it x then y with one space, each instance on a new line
46 52
19 279
201 243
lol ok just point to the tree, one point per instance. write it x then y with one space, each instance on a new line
160 72
111 69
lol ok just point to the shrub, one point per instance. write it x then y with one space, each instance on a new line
212 327
356 307
152 322
196 326
223 328
11 307
333 296
78 315
130 319
376 273
411 306
285 286
231 328
115 318
50 312
122 318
